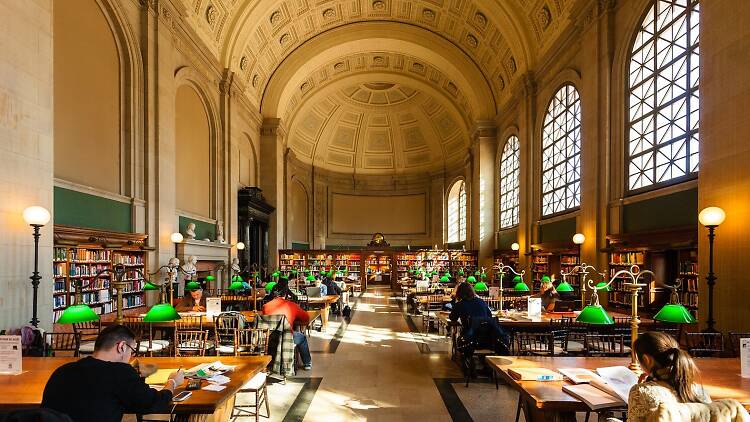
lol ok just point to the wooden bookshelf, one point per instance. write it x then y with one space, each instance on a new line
670 254
79 254
552 259
505 257
320 260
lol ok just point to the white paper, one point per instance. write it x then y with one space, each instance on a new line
213 387
10 355
619 379
745 357
535 307
213 306
219 379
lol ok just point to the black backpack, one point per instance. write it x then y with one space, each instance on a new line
346 312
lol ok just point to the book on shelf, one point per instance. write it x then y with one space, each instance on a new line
627 258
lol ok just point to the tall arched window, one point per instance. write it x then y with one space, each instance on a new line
509 183
663 102
457 212
561 152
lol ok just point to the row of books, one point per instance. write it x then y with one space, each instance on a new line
624 298
77 270
90 254
690 299
59 269
569 259
60 254
94 298
129 259
627 258
59 301
59 286
689 268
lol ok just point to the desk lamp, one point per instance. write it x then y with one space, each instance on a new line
520 286
674 311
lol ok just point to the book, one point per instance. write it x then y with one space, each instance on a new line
579 375
593 397
534 374
618 380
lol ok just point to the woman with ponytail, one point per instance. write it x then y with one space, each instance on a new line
670 376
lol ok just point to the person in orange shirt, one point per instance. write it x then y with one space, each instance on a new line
293 313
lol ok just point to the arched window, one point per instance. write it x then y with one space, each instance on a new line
457 212
561 152
509 183
662 140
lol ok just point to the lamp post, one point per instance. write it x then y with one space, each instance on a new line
501 268
578 240
36 217
711 217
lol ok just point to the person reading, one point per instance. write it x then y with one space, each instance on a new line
548 293
294 314
103 387
192 301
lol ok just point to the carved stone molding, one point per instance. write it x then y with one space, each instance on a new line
272 127
484 130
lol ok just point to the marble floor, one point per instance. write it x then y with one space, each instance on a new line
379 367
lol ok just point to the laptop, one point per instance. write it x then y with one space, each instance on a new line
313 291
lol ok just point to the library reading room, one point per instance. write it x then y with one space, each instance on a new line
374 210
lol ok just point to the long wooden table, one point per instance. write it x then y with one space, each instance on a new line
25 390
546 401
204 321
325 303
521 321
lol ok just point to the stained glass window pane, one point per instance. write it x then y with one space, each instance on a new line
561 152
509 183
662 132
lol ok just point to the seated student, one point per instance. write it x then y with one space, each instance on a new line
423 283
333 289
192 301
102 387
548 294
670 376
323 289
293 313
281 289
468 305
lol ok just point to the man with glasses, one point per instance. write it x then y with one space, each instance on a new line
103 387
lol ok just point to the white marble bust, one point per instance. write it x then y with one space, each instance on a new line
235 265
220 232
189 267
190 231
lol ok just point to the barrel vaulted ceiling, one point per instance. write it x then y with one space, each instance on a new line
310 60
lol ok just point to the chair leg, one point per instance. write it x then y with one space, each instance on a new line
588 414
265 399
518 409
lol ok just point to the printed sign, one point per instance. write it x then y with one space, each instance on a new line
494 291
535 307
745 357
10 355
213 306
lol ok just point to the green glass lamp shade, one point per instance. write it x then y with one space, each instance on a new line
476 272
77 313
448 274
564 287
411 271
310 278
163 312
471 279
460 271
602 286
483 276
521 287
270 286
594 314
150 286
445 279
210 278
275 274
192 285
236 285
517 279
676 313
237 278
481 287
545 279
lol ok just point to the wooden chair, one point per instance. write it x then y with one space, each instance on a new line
226 325
55 343
191 343
705 344
734 342
87 332
538 344
144 336
606 345
433 305
670 330
493 304
253 342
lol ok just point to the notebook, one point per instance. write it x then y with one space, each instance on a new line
593 397
534 374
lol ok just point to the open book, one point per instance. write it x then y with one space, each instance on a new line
208 370
609 387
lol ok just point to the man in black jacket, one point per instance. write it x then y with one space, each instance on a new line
102 387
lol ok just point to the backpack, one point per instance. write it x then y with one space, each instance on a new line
346 312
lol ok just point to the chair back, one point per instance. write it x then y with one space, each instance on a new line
252 341
434 303
190 342
189 322
67 343
493 303
541 344
88 331
705 344
734 342
230 319
605 345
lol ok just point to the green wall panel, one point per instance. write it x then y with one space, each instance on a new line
90 211
675 210
507 238
203 230
559 231
303 246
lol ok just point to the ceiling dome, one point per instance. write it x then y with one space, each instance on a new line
378 128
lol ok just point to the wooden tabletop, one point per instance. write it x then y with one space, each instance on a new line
521 320
205 320
720 376
325 300
25 390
